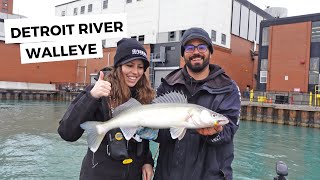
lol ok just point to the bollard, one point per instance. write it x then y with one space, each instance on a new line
251 95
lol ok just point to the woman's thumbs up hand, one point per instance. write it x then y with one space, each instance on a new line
101 87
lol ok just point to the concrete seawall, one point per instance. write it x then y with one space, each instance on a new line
295 115
37 95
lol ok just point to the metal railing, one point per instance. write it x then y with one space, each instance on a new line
70 87
282 97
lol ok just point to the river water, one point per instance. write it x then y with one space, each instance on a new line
30 147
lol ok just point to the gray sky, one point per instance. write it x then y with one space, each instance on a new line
41 8
295 7
36 8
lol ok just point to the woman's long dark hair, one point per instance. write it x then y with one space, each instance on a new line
120 92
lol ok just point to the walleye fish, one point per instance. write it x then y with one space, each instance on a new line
168 111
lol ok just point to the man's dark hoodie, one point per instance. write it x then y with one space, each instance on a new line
198 157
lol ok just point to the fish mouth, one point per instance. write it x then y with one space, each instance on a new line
222 122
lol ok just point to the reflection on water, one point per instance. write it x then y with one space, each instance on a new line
43 156
30 147
260 145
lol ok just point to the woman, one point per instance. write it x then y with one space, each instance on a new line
116 158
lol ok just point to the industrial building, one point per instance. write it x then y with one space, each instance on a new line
289 54
257 50
6 6
232 24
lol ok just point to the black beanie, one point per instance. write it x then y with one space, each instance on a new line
130 49
195 33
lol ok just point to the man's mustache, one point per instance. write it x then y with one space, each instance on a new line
196 56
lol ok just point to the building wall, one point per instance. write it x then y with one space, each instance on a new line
289 53
151 18
6 6
141 16
4 16
71 71
209 15
12 70
246 19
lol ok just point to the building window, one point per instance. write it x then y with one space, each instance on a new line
75 11
141 39
172 36
236 18
83 8
263 76
133 37
129 1
5 4
105 4
259 19
63 13
263 70
252 26
264 65
313 77
90 8
265 36
315 35
181 34
244 22
223 39
213 35
314 64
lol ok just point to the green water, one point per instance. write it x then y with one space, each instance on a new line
30 148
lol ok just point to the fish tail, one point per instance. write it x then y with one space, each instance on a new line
95 134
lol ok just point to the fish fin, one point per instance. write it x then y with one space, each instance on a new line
95 134
128 133
177 133
171 97
127 105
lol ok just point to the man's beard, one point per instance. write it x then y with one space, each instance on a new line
198 67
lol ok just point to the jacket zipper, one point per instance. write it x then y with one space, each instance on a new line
128 168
